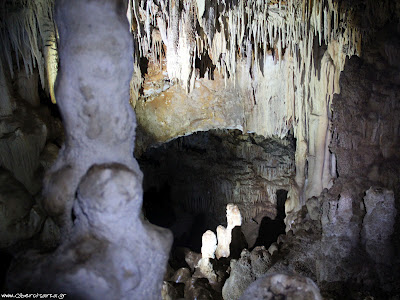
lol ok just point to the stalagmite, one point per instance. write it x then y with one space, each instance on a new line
224 235
94 189
208 247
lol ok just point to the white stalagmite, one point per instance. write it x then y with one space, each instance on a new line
208 247
224 235
209 244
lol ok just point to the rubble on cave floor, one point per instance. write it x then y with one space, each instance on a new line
316 251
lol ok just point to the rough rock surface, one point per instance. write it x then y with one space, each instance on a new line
23 137
378 224
244 271
91 57
19 219
332 239
281 286
28 138
247 170
377 230
108 199
224 235
94 189
208 244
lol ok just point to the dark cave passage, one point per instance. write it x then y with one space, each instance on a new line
270 229
189 181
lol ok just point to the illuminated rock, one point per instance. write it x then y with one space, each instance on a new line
224 235
204 266
94 189
209 244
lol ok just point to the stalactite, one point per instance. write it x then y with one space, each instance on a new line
27 29
239 38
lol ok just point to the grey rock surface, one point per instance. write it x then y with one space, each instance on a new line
378 224
22 138
94 189
93 97
244 271
281 286
19 218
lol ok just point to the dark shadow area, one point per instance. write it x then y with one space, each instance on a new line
5 260
45 101
204 65
186 227
271 229
189 181
238 243
157 208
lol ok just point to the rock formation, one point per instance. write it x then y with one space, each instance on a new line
224 235
283 286
286 109
94 188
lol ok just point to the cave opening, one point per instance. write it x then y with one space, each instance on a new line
270 229
189 181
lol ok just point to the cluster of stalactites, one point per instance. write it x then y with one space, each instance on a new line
248 30
28 34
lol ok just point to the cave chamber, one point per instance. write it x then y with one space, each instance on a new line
259 140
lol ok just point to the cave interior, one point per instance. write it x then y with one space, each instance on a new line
192 149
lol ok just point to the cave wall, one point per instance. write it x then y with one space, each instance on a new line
346 239
30 134
274 67
270 69
199 174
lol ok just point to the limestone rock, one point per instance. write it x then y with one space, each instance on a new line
109 199
182 275
205 269
170 292
281 286
313 208
260 261
224 240
208 245
240 278
85 96
50 234
244 271
198 288
224 235
27 86
273 248
19 219
376 234
94 189
24 136
192 259
48 156
378 224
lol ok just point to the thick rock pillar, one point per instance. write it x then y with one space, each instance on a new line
94 190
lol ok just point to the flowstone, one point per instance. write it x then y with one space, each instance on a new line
94 190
